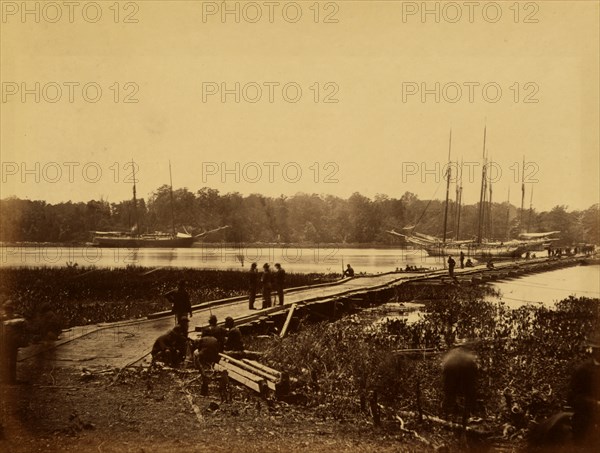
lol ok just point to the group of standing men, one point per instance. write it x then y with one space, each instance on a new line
268 280
452 263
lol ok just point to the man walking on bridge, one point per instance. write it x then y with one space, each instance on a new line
451 266
181 301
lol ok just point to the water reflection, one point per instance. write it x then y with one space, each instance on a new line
294 259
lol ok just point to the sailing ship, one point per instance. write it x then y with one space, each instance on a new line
133 239
480 247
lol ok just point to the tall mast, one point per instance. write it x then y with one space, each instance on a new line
522 195
482 193
508 215
135 221
458 200
530 209
490 223
447 187
171 192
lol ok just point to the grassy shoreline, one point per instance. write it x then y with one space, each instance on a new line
89 295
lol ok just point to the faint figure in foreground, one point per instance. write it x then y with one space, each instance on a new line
584 396
459 375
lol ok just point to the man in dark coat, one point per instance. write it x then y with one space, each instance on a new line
171 348
181 301
213 330
349 272
266 286
234 336
279 282
252 285
462 259
584 397
206 351
451 266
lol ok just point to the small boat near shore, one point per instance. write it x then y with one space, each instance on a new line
160 240
157 239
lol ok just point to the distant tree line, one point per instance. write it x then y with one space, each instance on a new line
302 218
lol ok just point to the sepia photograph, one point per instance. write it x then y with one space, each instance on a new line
300 226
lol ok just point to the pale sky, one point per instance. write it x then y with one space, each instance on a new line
374 61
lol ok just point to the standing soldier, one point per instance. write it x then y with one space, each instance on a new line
266 286
181 301
451 265
462 259
279 281
252 285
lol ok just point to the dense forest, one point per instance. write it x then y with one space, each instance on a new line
302 218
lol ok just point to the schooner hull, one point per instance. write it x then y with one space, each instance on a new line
476 251
141 242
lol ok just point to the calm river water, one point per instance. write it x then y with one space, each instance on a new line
317 259
550 287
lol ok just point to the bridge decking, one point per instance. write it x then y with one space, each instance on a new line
123 343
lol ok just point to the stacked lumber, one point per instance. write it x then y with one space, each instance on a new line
255 376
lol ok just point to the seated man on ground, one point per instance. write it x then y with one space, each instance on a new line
171 348
206 351
213 330
234 336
